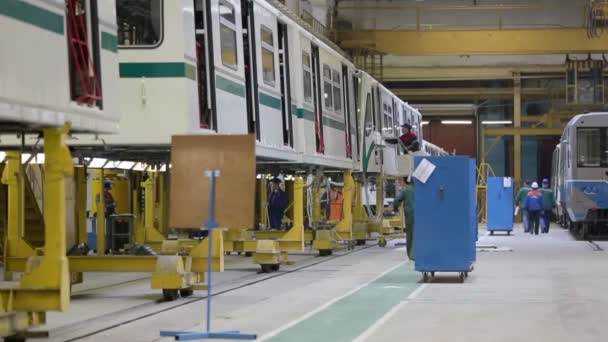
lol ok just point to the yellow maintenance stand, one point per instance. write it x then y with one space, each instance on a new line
270 254
326 240
45 284
178 271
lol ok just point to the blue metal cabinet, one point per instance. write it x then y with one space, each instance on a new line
446 216
499 204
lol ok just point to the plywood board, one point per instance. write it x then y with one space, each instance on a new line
234 157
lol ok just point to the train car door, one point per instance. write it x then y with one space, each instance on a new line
347 112
251 65
227 76
357 113
284 73
204 59
316 77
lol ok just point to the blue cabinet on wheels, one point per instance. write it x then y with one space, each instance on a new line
499 203
446 217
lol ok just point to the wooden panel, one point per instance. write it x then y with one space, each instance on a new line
461 138
234 157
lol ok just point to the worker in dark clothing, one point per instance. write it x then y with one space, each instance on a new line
110 204
409 139
520 202
549 204
534 206
277 203
406 197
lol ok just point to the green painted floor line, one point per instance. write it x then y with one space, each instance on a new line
350 316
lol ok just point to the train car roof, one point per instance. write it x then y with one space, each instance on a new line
594 117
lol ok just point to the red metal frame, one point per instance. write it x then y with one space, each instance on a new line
89 88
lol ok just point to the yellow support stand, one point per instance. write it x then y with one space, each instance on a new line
327 240
15 244
152 236
360 217
45 284
101 216
270 254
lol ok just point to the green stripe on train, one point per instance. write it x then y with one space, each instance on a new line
157 70
229 86
109 42
270 101
335 124
31 14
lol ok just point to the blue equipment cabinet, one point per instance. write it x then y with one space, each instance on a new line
499 202
445 227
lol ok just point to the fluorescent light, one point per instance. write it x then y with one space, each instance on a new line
497 122
112 164
456 122
140 167
2 156
424 123
126 165
25 157
97 163
38 159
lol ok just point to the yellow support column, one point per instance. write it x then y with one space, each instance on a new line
101 216
263 201
517 125
317 214
15 246
153 237
81 204
50 272
360 217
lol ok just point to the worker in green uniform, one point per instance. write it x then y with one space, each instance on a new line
549 204
406 196
520 202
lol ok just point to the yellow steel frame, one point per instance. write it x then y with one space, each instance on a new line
360 217
475 42
45 284
327 240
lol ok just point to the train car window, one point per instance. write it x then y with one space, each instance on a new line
588 141
327 87
140 23
369 123
228 35
337 92
307 75
267 55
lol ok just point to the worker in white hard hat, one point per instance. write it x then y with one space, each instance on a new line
535 207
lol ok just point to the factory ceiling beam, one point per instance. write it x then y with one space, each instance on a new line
439 73
412 94
476 42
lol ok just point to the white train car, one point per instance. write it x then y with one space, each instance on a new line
58 63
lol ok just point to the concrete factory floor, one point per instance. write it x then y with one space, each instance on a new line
524 288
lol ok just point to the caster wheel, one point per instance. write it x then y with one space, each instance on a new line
462 277
248 254
466 274
492 233
186 292
433 274
382 242
170 295
425 277
360 242
324 252
508 233
276 267
267 268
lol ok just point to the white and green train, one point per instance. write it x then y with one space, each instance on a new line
205 67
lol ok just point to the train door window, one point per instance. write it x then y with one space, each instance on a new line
201 65
337 91
228 34
140 23
267 55
307 77
588 142
369 115
327 88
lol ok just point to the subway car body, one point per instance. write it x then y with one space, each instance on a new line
240 67
580 175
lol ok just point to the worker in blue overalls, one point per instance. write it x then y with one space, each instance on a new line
277 203
535 207
549 205
406 197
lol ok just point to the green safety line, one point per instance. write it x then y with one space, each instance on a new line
157 70
109 42
31 14
352 315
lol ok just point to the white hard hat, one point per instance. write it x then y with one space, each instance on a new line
534 185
